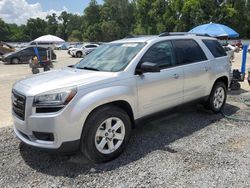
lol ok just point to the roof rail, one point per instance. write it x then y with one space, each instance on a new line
130 36
137 36
181 34
164 34
200 34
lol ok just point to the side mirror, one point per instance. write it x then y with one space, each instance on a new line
148 67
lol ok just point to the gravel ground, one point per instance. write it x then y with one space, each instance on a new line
184 147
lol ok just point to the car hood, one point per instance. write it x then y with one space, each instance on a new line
61 78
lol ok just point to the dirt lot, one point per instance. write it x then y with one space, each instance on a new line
184 147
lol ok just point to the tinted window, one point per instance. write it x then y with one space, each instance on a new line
226 49
161 54
188 51
90 46
28 50
41 49
215 48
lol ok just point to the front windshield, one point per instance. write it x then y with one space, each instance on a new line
111 57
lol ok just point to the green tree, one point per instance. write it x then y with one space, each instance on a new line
150 16
52 24
4 31
117 19
92 27
75 36
17 33
64 18
35 28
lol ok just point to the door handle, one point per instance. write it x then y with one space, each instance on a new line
176 76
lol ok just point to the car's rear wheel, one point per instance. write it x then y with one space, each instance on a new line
78 54
105 134
217 97
15 60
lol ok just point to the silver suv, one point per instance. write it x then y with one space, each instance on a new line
92 105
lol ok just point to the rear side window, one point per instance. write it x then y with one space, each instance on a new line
215 48
90 46
28 50
188 51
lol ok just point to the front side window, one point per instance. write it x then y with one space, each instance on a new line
215 48
111 57
161 54
188 51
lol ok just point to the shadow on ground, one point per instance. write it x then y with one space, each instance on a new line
237 92
152 133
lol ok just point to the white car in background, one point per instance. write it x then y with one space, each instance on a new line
84 50
230 52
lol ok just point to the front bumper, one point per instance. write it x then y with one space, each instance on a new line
63 125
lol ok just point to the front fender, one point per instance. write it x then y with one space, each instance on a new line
85 104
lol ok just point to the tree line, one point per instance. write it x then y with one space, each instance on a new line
116 19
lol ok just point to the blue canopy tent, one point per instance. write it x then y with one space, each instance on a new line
215 30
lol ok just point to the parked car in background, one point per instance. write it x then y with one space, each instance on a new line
25 54
5 48
64 46
74 47
238 44
93 105
230 52
83 51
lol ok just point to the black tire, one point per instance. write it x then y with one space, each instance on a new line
78 54
15 60
46 68
210 104
235 85
35 70
93 122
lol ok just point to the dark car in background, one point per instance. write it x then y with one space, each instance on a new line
25 54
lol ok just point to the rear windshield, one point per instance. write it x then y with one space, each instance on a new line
215 48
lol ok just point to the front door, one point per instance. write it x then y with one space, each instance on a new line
164 89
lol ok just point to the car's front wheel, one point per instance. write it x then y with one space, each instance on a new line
105 134
78 54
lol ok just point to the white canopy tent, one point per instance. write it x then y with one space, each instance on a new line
48 39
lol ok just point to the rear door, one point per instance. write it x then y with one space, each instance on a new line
196 68
164 89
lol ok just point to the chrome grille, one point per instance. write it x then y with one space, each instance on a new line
18 104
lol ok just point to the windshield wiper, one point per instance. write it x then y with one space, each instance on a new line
88 68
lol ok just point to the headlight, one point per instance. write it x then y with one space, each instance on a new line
56 98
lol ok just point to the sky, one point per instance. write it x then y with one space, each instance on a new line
19 11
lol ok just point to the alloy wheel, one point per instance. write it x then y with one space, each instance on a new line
110 135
